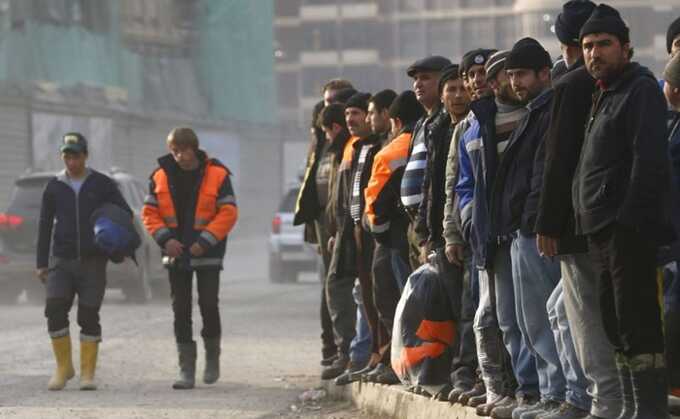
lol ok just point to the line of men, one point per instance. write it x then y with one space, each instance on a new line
547 195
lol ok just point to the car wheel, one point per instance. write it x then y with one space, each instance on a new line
138 290
10 293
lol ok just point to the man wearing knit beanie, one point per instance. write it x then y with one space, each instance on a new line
673 37
672 316
388 224
482 152
574 304
567 29
620 200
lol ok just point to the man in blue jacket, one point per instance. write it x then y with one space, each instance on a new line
76 266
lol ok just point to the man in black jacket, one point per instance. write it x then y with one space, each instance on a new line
76 266
619 192
555 228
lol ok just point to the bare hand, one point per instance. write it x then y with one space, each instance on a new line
196 250
454 253
331 244
547 246
174 248
41 273
423 254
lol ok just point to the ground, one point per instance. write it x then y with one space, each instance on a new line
270 356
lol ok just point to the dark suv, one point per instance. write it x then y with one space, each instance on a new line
19 235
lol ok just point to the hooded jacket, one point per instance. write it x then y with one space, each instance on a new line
518 180
209 217
69 216
623 172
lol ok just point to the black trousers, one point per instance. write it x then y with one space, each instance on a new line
625 261
328 347
208 286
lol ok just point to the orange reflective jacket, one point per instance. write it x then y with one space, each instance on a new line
388 167
215 213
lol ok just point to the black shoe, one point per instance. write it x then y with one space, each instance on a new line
477 390
372 376
387 377
187 366
336 368
650 391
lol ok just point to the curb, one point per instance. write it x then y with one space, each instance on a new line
394 402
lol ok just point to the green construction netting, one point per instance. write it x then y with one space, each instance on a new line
230 74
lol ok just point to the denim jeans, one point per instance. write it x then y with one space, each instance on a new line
360 347
535 279
577 383
523 362
595 353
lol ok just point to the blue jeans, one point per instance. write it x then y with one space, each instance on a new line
523 362
577 383
535 279
360 348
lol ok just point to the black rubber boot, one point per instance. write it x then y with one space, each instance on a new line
212 360
187 366
650 391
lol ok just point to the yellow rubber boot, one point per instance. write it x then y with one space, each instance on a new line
88 363
62 354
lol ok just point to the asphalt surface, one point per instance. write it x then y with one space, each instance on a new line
270 355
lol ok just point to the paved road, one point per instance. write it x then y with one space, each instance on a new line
270 356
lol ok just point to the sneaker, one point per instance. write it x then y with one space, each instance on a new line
566 411
524 404
543 407
486 408
477 390
476 400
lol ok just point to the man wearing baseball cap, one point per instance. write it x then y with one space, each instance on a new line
619 197
75 266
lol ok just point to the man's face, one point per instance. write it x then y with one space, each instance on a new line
329 96
184 156
502 89
672 95
476 76
378 120
526 83
74 162
455 97
675 46
604 55
426 87
332 132
356 122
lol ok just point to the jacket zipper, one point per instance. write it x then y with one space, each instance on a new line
77 195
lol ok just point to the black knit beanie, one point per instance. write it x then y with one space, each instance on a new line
568 23
528 53
606 19
359 100
407 108
383 99
673 32
449 73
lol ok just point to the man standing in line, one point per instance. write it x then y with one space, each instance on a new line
619 195
425 74
189 211
578 289
77 266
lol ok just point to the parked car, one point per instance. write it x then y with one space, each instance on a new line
288 253
19 234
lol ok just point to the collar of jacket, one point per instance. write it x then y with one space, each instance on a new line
63 177
406 129
484 109
340 140
169 164
579 63
631 71
370 139
541 100
439 118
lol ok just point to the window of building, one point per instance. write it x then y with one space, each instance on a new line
288 93
411 5
476 33
287 8
440 38
320 36
358 34
506 32
411 40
